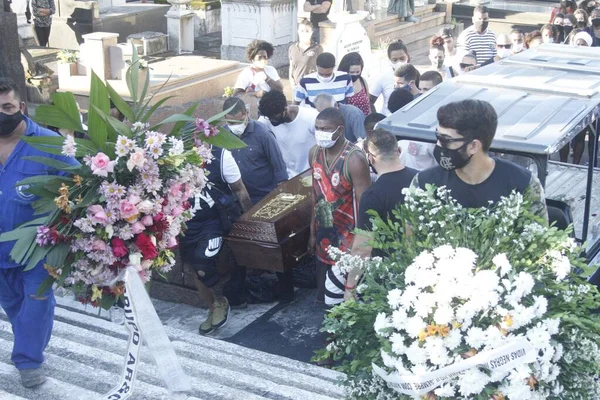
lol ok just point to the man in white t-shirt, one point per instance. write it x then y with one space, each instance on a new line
383 84
294 129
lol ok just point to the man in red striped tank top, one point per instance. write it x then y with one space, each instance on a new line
340 176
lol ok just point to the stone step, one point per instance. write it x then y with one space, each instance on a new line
406 29
86 352
419 42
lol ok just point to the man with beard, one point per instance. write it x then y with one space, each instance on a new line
474 179
477 38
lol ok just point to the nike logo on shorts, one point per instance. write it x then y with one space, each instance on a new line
214 246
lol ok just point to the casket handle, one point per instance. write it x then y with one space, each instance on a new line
292 234
300 256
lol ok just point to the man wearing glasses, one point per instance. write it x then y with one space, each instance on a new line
478 38
465 133
294 129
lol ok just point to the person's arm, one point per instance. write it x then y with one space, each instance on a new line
358 168
358 126
349 88
309 7
273 154
322 8
52 7
537 201
300 94
291 68
274 83
239 190
313 235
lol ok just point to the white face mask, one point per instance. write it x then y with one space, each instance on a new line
324 79
238 129
503 53
325 139
397 64
517 48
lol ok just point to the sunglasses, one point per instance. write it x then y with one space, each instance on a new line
504 46
464 65
446 140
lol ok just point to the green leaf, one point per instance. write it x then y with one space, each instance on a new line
43 206
107 301
179 125
43 179
99 100
141 107
132 77
38 255
53 163
220 115
64 112
18 233
151 111
117 126
90 197
57 255
44 286
54 145
24 245
175 118
37 222
224 139
121 104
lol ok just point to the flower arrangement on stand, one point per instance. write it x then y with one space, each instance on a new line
474 304
126 202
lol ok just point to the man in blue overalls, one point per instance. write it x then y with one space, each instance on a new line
31 315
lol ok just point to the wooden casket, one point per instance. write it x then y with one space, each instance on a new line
274 234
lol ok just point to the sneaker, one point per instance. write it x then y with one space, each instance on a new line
31 378
411 18
206 327
221 313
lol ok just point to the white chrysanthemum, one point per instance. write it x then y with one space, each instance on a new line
522 285
394 297
516 390
398 346
443 252
414 325
443 315
388 360
176 146
472 381
539 337
454 339
381 322
69 147
436 350
476 337
399 318
445 391
540 306
494 338
416 355
409 296
501 262
424 305
560 264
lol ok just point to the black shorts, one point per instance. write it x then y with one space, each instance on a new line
201 251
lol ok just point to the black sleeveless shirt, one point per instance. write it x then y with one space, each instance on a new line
505 178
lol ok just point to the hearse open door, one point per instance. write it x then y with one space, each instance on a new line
544 98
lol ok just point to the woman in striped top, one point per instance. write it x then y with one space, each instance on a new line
353 65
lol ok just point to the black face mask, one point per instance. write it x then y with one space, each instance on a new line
451 159
596 22
581 24
283 120
8 123
354 77
567 30
481 26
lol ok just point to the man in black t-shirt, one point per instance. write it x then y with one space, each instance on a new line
383 196
319 10
465 133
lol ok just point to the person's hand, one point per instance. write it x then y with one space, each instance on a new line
349 295
259 94
44 12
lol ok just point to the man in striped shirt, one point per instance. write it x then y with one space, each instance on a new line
477 38
325 80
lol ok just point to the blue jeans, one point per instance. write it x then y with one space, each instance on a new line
31 316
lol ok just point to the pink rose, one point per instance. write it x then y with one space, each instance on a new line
136 159
98 245
147 220
133 199
177 211
138 227
97 214
128 210
172 242
101 165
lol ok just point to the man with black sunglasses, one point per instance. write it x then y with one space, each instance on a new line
467 64
465 133
503 49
